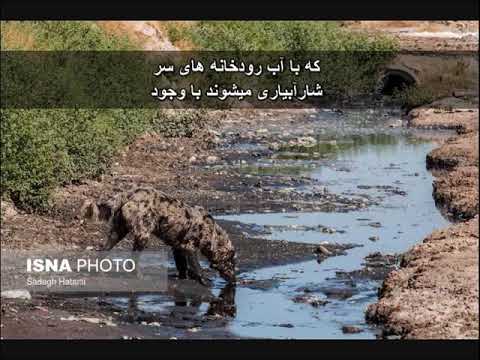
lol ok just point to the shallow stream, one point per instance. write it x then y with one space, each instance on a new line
387 169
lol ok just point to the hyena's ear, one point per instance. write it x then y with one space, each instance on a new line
89 210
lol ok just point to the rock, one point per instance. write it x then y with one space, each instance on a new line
395 123
287 325
373 238
274 146
307 141
8 209
211 159
313 300
340 292
16 294
348 329
91 320
323 250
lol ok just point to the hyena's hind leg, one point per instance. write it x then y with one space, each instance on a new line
181 264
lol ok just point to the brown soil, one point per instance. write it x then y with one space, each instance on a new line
447 113
455 163
146 35
434 294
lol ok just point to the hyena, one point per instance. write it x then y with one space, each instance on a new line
187 229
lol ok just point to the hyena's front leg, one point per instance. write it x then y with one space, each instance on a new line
194 268
118 230
195 271
139 243
187 265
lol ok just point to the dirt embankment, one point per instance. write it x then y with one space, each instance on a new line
425 35
434 294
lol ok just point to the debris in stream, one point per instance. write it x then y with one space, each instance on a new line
265 285
349 329
286 325
319 228
91 320
313 300
326 250
339 290
376 267
388 189
323 250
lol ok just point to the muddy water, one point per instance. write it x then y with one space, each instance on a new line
390 168
383 166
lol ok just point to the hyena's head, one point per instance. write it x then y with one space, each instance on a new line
225 258
105 210
225 265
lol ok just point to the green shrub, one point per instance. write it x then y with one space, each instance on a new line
43 148
58 36
280 36
414 96
350 61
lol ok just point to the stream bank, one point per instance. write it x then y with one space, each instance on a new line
435 292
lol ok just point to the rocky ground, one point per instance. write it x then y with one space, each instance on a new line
435 292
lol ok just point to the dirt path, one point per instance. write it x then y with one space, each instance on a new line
425 35
435 293
146 34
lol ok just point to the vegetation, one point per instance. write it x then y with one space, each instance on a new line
350 60
277 36
58 36
414 96
44 148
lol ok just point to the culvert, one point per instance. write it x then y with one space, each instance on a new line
395 80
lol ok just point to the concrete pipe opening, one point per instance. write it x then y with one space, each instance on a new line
395 80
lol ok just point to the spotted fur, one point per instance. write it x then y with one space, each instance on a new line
187 229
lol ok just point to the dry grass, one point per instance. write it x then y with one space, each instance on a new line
15 37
